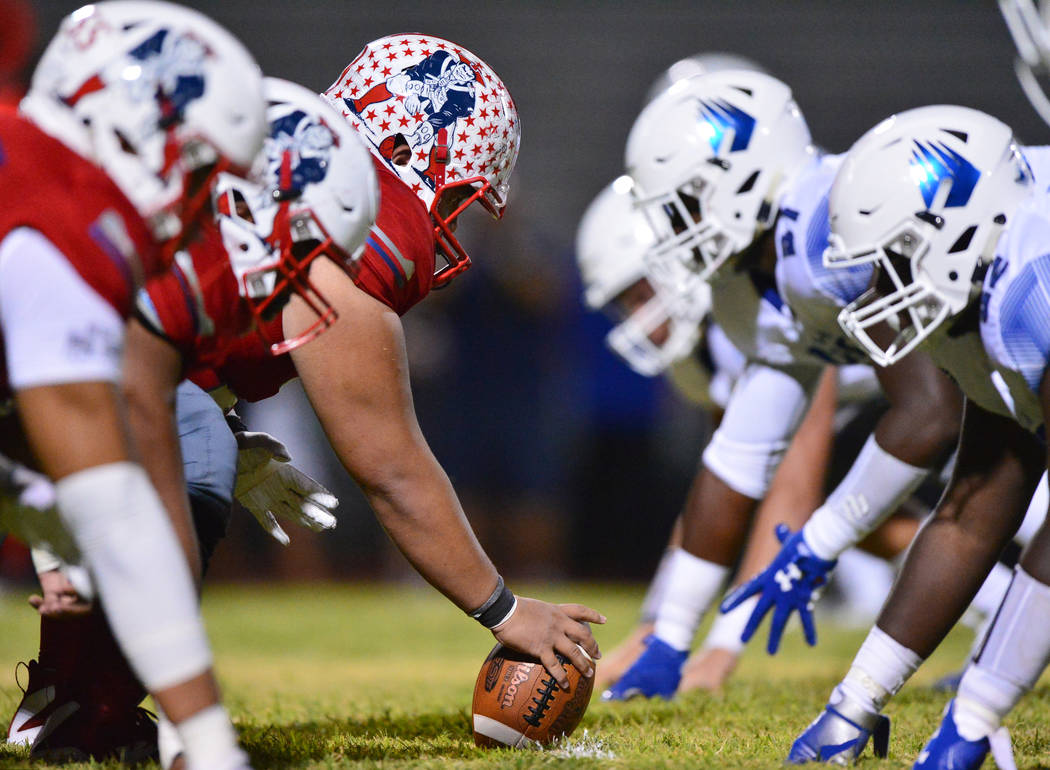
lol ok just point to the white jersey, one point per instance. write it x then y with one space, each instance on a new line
1001 366
793 319
788 328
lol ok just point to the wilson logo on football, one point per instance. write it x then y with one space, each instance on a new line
520 675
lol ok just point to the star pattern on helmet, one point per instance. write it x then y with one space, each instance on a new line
403 85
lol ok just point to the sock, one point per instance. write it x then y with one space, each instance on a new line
726 630
1015 652
654 595
210 742
879 670
692 584
875 486
973 720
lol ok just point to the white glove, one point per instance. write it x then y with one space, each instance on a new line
269 486
27 510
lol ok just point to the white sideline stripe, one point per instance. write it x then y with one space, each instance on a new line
505 734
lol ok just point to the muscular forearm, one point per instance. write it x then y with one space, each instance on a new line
420 511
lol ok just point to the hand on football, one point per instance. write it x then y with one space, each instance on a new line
269 486
541 630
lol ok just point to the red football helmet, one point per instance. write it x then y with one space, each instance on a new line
440 119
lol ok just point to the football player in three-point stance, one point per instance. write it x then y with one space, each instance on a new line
445 137
739 198
444 134
318 197
132 109
656 330
940 206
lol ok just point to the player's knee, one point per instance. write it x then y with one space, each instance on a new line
747 467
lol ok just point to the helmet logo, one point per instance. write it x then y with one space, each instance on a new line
308 145
439 89
172 70
934 163
719 116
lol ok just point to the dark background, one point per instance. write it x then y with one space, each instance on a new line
568 464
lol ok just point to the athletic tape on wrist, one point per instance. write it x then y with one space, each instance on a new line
498 608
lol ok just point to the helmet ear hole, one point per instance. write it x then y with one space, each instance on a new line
962 243
125 145
396 149
748 184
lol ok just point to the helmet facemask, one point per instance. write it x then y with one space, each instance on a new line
271 248
458 196
655 332
687 232
899 310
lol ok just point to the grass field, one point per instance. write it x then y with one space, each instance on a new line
324 676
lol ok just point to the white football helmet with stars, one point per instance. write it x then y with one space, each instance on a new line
441 120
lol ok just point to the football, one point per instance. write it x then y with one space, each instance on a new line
518 704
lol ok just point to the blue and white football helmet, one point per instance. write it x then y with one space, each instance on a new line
610 243
710 158
922 197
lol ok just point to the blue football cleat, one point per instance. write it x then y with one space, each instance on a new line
947 750
839 735
655 674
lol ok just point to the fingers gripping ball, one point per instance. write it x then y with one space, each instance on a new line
517 703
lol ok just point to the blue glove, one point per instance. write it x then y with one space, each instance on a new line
790 582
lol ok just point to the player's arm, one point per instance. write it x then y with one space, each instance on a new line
918 429
153 369
764 411
356 377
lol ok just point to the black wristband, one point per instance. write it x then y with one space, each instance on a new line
497 608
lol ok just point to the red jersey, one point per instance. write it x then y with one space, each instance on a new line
196 305
397 268
46 186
